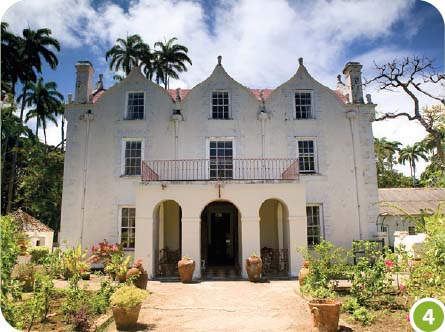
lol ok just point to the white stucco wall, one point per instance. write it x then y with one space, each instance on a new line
345 191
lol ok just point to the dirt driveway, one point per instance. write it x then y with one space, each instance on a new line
217 306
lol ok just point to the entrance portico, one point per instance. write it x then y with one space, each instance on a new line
220 223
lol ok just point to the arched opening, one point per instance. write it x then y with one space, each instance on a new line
167 238
274 237
220 240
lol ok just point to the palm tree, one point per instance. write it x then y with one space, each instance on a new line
127 53
31 48
171 58
411 154
46 101
386 151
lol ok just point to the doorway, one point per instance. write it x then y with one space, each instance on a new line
219 234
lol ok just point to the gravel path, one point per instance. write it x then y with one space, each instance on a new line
219 306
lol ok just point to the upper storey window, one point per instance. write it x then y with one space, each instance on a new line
307 155
303 105
135 106
132 157
220 105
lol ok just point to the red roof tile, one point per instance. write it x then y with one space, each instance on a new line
97 96
340 96
183 93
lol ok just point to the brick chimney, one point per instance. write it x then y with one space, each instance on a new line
84 82
353 80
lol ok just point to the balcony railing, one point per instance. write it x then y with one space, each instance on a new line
220 169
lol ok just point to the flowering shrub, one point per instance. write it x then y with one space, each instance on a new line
128 296
103 252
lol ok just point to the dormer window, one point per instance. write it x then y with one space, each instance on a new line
220 105
135 106
303 105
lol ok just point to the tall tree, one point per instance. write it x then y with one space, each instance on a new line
414 76
386 152
127 53
411 154
46 101
170 60
31 48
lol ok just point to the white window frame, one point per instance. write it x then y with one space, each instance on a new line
312 104
320 218
229 103
123 145
219 139
126 105
308 138
121 207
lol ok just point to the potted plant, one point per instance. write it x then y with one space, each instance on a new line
254 267
319 284
138 275
117 267
186 267
126 304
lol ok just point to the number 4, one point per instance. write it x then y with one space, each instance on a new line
428 317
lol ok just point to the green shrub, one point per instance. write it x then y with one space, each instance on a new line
25 273
38 254
100 302
73 262
363 316
350 305
128 296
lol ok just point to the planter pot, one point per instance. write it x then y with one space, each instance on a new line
254 267
186 267
304 272
126 318
122 277
142 277
325 315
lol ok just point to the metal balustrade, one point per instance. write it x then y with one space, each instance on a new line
220 169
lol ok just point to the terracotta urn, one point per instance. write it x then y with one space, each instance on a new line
325 315
140 275
304 272
126 318
186 267
254 267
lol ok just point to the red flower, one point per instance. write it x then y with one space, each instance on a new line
407 318
402 287
388 263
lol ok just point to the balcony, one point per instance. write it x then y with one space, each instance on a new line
220 170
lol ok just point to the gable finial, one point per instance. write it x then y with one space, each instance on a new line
219 60
339 79
300 61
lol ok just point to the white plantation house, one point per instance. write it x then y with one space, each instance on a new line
219 171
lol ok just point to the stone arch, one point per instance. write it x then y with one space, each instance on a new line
167 238
274 236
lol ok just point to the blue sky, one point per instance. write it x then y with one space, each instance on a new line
260 40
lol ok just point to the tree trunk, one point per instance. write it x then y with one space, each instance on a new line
14 154
414 173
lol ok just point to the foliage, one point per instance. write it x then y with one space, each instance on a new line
25 273
128 296
10 288
372 273
38 254
326 264
127 53
43 288
118 266
103 252
428 277
411 155
363 316
73 262
75 298
101 300
53 263
350 304
81 321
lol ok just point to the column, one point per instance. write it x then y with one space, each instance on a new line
191 242
144 246
297 239
250 232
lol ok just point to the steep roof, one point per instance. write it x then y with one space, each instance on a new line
28 223
410 200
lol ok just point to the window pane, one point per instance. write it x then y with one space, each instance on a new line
220 105
133 152
135 106
303 105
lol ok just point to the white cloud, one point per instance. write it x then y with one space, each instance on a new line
260 41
